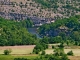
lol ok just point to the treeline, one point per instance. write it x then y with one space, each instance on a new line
62 30
15 32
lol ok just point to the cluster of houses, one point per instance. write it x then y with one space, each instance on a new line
17 16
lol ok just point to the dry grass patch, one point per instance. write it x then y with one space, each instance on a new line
74 57
75 51
27 49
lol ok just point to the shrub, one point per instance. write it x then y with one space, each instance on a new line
70 53
7 52
64 57
20 59
43 53
53 47
40 47
58 52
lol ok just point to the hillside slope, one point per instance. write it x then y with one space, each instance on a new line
41 8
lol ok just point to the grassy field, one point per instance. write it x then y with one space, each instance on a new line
16 50
11 57
75 51
25 52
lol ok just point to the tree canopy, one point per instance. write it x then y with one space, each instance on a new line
15 32
62 29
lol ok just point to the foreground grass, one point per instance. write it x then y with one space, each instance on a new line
11 57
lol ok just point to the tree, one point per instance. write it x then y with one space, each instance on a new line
44 40
40 47
64 57
15 33
59 51
61 45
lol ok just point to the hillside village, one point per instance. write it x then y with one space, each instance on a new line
23 9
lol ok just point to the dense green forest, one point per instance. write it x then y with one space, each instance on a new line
15 32
62 30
